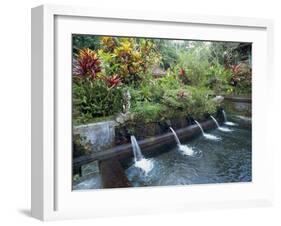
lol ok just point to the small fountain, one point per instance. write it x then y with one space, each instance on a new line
227 122
224 129
140 162
183 148
206 135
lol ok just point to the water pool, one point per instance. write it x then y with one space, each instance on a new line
228 159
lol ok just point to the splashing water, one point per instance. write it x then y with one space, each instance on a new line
211 137
136 149
207 135
224 129
145 164
227 122
215 121
230 123
184 149
140 162
176 136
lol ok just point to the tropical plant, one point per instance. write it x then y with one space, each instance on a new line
195 72
147 112
127 58
85 41
241 78
95 98
87 63
218 79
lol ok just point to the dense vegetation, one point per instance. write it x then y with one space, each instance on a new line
117 75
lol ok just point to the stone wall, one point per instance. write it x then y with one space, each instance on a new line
238 106
101 134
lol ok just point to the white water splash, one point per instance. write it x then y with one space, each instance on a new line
207 135
211 137
230 123
140 162
224 129
146 165
227 122
184 149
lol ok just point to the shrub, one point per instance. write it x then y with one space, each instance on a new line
95 98
87 63
128 58
241 78
218 79
201 102
147 112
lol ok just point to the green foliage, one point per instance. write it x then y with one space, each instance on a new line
167 50
105 68
128 58
188 102
161 100
94 98
85 41
147 111
241 79
201 102
224 53
218 79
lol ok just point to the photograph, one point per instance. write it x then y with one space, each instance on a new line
152 111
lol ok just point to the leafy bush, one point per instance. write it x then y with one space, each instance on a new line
127 58
87 63
147 112
195 73
218 79
201 102
85 41
241 79
95 98
188 102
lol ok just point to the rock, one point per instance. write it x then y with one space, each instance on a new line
101 135
120 119
218 99
123 117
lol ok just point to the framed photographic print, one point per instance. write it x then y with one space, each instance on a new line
140 113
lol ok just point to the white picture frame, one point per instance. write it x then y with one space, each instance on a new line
52 197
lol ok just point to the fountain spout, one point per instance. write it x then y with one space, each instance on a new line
207 135
176 136
227 122
224 129
136 149
198 124
184 149
224 116
144 164
217 124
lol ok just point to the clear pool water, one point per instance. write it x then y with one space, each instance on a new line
228 159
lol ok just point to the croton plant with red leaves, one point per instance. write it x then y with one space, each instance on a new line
87 63
183 76
182 72
235 69
113 81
